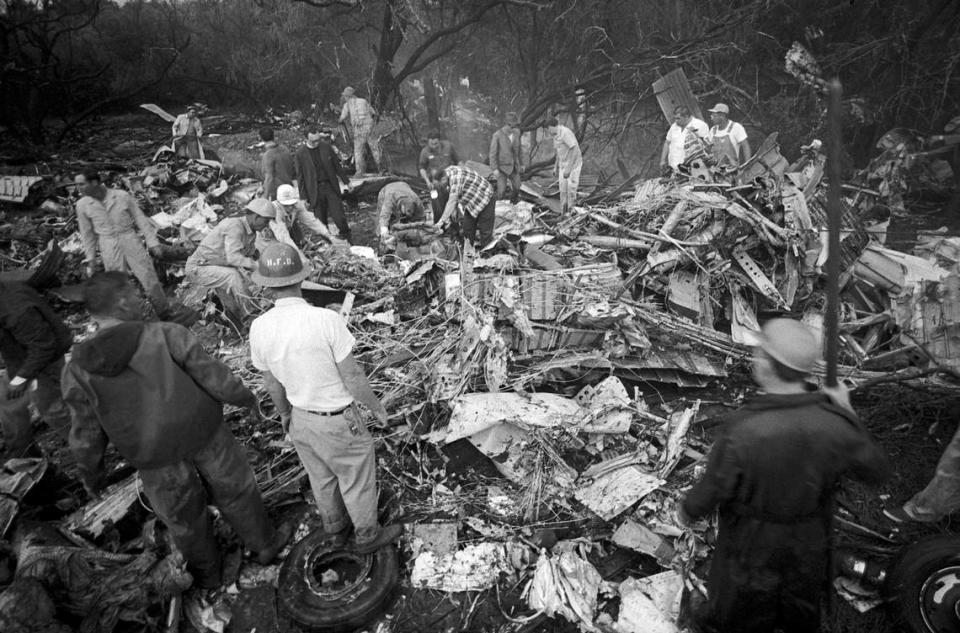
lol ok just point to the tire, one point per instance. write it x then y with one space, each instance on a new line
923 584
341 608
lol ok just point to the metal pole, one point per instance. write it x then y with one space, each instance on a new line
832 317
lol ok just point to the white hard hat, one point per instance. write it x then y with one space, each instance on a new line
286 194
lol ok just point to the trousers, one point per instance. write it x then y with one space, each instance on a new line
362 131
125 252
568 188
514 179
330 207
942 495
15 419
230 284
483 224
179 496
337 453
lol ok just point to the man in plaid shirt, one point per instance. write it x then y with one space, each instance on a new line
474 196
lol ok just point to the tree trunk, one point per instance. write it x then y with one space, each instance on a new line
432 101
391 37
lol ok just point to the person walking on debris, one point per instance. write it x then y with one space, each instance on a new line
276 165
109 219
294 215
728 138
470 192
187 131
772 473
360 115
319 174
33 340
224 259
152 390
569 162
397 202
505 157
437 154
305 354
684 138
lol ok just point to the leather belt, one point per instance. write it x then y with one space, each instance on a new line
328 414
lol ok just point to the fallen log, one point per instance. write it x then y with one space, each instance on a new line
606 241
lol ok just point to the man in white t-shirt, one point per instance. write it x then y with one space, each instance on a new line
569 162
305 354
685 132
728 138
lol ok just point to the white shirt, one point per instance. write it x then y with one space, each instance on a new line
676 136
301 345
733 130
567 148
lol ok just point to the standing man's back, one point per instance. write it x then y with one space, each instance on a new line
276 164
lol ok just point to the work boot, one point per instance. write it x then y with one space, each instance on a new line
385 536
268 555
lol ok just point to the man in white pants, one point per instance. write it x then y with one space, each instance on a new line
569 162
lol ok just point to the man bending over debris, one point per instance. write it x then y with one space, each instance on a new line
223 259
109 219
397 202
569 162
152 390
315 383
33 341
470 192
772 473
296 217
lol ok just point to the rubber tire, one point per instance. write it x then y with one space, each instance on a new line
316 613
908 572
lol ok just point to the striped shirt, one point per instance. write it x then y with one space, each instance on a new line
469 189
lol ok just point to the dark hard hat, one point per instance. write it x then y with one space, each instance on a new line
280 265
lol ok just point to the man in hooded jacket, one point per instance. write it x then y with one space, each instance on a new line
152 390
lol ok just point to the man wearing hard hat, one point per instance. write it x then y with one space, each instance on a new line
223 261
293 214
772 473
306 356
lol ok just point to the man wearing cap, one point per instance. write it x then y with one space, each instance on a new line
276 164
685 135
224 260
470 199
438 153
305 354
360 115
772 474
187 131
729 139
505 157
151 390
109 220
397 202
294 215
319 174
569 162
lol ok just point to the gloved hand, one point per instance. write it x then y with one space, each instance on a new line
15 392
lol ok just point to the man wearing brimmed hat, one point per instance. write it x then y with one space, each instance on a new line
730 143
360 114
294 215
772 473
187 131
224 260
305 354
505 157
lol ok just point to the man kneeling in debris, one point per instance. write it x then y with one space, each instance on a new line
151 389
470 193
398 203
772 473
223 259
305 355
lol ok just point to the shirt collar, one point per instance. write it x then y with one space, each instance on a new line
269 144
289 301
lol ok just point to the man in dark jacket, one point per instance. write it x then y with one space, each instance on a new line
772 474
319 174
33 341
276 164
152 390
505 157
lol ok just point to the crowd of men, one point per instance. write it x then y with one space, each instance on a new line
149 388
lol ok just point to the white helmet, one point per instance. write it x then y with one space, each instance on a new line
286 194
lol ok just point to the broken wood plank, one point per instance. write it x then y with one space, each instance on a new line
115 502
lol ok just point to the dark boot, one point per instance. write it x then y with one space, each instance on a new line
385 536
268 555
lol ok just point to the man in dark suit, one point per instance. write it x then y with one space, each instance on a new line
505 157
319 174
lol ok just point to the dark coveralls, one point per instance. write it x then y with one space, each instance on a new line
772 473
33 340
152 390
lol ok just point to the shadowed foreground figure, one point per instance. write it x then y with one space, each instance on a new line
772 473
152 390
